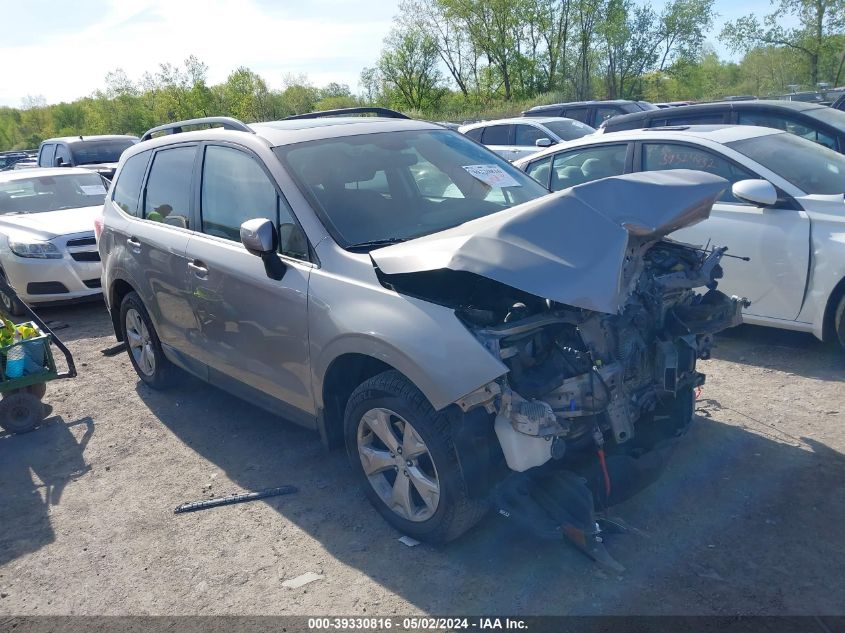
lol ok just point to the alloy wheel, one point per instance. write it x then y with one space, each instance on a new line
398 464
140 342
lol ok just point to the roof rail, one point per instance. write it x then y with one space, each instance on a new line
227 123
385 112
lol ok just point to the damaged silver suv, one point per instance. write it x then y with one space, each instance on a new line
469 337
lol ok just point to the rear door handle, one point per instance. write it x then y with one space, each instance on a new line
200 270
134 243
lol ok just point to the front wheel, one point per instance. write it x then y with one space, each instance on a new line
11 304
143 345
402 452
839 323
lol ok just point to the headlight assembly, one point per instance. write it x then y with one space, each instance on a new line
38 250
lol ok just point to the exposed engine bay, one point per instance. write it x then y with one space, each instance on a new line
578 376
584 384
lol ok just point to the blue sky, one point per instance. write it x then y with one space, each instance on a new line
63 50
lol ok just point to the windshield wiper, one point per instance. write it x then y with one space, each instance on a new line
376 243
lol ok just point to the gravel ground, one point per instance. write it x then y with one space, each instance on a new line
747 520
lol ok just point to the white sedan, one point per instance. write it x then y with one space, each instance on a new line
784 210
514 138
47 247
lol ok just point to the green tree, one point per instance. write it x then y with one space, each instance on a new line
409 66
817 22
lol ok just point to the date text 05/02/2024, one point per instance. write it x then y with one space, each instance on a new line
416 623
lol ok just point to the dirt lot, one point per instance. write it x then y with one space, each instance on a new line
749 518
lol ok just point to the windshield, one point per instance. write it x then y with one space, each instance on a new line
569 129
51 193
394 186
89 152
809 166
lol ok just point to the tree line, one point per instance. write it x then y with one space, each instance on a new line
460 59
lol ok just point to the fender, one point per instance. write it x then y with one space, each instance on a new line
424 341
827 257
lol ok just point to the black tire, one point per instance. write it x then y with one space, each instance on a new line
839 323
21 412
164 374
455 512
9 303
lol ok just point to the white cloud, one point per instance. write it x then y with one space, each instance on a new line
140 35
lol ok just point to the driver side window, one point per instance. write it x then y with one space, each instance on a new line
662 156
235 189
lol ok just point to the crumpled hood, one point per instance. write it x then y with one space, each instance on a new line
50 224
570 246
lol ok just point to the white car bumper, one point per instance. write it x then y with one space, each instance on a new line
75 276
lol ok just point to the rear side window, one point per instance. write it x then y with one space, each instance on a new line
603 114
496 135
539 170
579 114
587 164
168 190
45 156
127 188
475 134
787 124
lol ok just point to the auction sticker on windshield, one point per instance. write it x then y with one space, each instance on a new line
492 175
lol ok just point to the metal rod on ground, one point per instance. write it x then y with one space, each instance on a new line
232 499
113 351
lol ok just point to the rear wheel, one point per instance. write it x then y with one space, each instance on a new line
143 345
402 452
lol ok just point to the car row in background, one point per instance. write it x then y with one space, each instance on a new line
97 153
784 210
8 160
593 113
815 122
47 247
518 137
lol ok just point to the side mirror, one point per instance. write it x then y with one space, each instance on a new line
543 142
59 162
759 192
260 238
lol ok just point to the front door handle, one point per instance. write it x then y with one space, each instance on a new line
134 244
200 270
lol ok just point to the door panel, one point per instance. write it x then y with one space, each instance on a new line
156 244
250 327
776 240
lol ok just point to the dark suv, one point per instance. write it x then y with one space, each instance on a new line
98 153
592 113
813 121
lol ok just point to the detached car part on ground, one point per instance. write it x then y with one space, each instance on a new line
598 322
467 336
